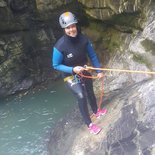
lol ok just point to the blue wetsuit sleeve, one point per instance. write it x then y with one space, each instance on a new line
57 62
93 57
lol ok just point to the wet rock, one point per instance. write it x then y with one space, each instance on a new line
125 128
19 5
104 9
29 30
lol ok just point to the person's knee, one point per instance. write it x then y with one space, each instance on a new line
80 95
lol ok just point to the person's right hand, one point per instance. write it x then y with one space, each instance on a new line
78 69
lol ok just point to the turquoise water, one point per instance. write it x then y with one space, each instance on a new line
26 120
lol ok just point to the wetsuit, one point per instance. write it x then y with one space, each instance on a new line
69 52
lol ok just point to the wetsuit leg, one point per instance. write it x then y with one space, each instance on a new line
90 92
78 90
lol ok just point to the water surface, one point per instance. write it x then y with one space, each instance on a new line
26 120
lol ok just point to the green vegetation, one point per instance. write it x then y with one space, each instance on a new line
102 35
108 33
149 45
128 21
141 59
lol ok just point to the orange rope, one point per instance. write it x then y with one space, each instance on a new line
87 76
101 95
106 69
102 89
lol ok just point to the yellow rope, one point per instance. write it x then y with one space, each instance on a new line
119 70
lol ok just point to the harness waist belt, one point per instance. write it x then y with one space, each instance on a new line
69 78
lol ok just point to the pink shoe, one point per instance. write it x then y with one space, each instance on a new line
94 128
100 112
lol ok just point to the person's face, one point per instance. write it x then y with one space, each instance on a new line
71 30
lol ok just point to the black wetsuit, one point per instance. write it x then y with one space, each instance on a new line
69 52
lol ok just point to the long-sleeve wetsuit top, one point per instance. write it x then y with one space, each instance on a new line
69 52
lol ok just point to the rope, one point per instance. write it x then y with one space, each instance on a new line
106 69
101 95
89 77
102 88
119 70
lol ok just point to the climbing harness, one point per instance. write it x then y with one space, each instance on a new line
68 78
73 79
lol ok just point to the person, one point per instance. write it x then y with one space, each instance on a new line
70 55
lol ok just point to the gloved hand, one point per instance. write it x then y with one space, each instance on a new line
100 75
78 69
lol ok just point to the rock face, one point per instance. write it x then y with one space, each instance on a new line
25 47
123 33
128 127
30 29
104 9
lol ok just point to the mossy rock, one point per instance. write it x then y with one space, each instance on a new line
141 59
149 45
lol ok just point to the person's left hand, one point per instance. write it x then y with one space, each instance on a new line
100 75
